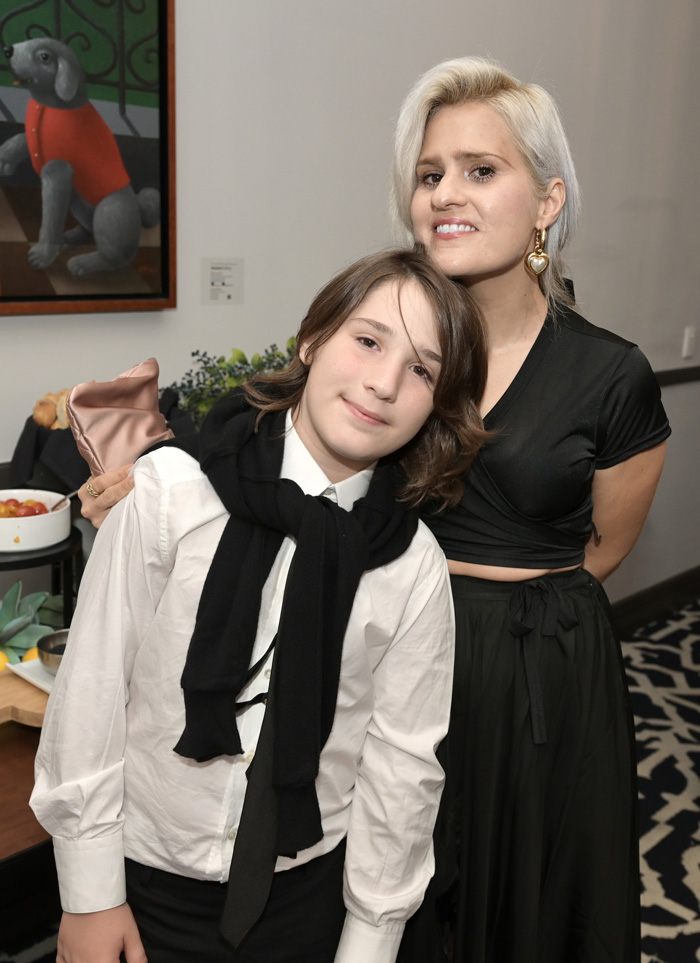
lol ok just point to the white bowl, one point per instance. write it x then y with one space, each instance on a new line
34 531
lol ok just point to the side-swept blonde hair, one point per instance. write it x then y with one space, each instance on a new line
533 119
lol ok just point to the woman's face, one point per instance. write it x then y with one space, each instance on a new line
474 207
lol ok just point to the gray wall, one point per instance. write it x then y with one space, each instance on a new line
285 114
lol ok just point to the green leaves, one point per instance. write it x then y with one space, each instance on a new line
20 628
51 612
210 378
10 605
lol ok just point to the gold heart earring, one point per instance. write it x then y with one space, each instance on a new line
537 261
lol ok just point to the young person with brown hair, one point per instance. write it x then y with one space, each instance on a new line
287 562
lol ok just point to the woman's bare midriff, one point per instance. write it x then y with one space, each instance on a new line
498 573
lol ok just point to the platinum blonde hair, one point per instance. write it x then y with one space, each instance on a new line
533 119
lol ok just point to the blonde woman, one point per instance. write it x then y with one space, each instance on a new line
536 842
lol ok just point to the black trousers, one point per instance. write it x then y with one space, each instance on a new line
178 917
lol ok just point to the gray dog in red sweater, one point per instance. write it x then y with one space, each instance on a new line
77 158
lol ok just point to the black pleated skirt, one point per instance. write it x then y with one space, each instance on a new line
536 845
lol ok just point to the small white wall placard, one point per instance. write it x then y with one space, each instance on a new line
222 280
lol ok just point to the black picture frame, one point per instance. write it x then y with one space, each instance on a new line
127 52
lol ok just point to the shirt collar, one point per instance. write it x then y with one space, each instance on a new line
300 467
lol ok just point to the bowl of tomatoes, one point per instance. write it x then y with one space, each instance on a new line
27 522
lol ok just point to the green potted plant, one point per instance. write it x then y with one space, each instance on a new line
209 378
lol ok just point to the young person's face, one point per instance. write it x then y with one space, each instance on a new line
370 386
474 207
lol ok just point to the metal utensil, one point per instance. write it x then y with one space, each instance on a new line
66 498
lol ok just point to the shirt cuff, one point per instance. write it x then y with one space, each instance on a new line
360 942
91 874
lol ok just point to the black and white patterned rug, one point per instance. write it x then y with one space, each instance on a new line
663 670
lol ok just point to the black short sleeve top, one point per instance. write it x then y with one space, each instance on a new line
583 399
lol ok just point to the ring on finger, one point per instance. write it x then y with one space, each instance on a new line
91 491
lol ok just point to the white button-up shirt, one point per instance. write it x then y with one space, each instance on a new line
108 783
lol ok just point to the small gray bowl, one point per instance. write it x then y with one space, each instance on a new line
51 648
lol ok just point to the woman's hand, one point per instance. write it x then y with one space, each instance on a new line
100 937
110 487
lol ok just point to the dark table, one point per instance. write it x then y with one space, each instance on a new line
29 900
66 561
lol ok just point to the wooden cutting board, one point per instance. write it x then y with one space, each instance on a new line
20 701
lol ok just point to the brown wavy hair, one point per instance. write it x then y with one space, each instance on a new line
436 460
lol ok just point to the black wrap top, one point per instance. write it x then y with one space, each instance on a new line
584 399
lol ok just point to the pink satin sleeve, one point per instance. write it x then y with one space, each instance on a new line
113 422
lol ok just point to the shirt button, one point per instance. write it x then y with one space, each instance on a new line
268 673
249 756
232 833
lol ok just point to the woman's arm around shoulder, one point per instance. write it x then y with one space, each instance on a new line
110 488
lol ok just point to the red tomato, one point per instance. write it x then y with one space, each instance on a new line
24 511
12 502
40 508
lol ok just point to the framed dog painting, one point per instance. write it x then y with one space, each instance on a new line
87 156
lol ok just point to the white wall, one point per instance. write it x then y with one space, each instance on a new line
670 541
285 114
